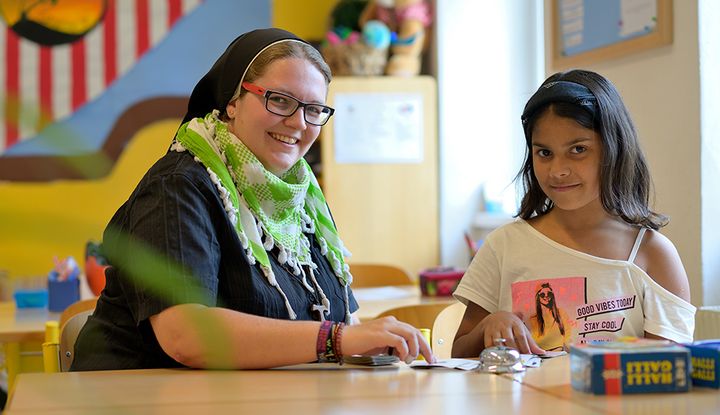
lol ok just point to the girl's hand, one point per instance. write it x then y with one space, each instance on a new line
508 326
376 336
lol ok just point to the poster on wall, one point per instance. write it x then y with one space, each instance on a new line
378 128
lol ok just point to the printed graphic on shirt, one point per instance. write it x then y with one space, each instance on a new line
558 313
606 323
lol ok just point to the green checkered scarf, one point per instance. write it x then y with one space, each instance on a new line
261 203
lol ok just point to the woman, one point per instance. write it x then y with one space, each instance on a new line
225 255
547 325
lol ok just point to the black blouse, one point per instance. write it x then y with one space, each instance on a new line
172 243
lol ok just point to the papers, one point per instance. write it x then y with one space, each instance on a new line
527 360
551 354
351 362
461 364
530 360
335 366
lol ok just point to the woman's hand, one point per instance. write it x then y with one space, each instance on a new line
508 326
376 336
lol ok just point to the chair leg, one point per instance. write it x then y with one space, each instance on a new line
51 357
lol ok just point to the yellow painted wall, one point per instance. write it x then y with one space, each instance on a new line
307 19
40 220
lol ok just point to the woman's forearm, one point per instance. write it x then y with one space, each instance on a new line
219 338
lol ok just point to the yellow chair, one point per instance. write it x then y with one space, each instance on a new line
58 350
378 275
444 329
51 347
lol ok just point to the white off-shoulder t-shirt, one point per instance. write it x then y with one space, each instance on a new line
564 295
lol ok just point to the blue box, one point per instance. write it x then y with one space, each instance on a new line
705 357
31 298
62 294
616 368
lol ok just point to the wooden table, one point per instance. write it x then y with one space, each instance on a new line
350 391
375 300
353 391
23 324
22 332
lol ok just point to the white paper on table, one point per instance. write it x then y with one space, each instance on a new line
462 364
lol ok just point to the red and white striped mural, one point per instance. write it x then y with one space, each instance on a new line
42 84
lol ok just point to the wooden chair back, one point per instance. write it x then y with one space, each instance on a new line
421 316
444 329
378 275
68 336
58 350
75 308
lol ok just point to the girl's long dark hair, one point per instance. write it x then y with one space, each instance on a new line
553 309
625 183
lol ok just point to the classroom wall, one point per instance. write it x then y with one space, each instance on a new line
709 15
56 217
661 88
489 62
307 19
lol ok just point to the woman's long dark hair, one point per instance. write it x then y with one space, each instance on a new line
625 182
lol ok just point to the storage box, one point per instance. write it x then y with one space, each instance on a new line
623 367
31 298
705 358
62 294
440 282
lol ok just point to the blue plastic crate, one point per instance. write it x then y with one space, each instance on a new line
31 298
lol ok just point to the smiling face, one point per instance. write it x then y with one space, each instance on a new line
277 141
566 161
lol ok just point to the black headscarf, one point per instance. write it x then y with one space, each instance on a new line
217 86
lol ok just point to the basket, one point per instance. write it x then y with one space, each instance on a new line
355 59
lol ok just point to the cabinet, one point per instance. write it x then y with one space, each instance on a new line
386 211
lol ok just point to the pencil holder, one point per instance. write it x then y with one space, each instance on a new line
62 293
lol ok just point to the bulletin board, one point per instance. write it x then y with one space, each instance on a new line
590 31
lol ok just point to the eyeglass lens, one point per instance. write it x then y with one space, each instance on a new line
286 105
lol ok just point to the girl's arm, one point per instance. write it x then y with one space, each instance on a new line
479 329
663 264
211 337
661 261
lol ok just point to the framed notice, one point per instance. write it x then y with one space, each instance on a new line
589 31
378 127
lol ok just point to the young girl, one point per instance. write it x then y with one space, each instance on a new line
585 235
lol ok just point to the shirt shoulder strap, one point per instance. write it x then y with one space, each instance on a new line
636 246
